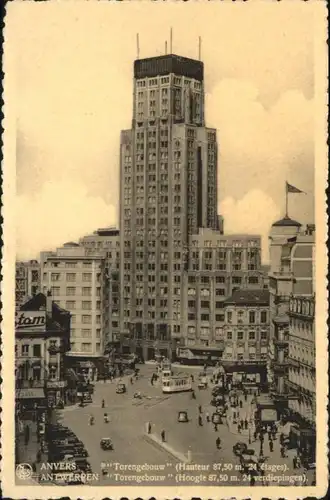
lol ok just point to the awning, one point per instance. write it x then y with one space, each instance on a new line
36 393
281 319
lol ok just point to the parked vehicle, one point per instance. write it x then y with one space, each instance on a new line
106 444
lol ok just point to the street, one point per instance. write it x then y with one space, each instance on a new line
127 429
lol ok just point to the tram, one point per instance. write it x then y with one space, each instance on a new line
176 384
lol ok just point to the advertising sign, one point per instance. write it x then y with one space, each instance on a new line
30 321
268 415
56 384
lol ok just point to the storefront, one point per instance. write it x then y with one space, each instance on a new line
304 439
56 392
249 375
199 355
29 401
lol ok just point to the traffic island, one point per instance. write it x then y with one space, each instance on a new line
159 444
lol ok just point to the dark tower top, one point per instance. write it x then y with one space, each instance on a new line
164 65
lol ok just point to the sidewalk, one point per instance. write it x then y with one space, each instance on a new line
28 453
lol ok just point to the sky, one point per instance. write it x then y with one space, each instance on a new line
74 63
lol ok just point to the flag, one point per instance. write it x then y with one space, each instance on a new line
292 189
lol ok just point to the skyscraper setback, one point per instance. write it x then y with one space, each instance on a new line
168 189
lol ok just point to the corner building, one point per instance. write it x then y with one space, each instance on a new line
168 189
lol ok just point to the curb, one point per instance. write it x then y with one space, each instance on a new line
151 439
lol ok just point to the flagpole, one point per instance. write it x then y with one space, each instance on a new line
286 199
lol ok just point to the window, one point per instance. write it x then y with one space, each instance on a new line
220 292
70 304
86 291
205 304
55 276
98 319
252 335
86 347
37 350
263 317
56 290
219 317
86 333
240 335
252 317
229 335
253 280
229 317
205 317
263 335
25 349
71 276
71 290
87 277
86 305
240 317
219 279
86 318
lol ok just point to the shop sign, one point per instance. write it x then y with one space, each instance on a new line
56 384
27 321
268 415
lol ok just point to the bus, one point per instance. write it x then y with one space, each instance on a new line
176 384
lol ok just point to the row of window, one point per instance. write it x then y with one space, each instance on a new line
71 276
75 264
84 333
85 319
73 290
84 347
252 317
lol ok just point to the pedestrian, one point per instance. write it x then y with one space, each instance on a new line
38 456
149 428
246 423
255 435
26 434
269 436
281 438
218 443
193 395
131 380
200 408
283 452
192 378
216 427
207 417
103 403
294 462
200 421
240 403
245 396
242 423
271 446
163 436
252 481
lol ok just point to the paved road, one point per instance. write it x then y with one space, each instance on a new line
126 428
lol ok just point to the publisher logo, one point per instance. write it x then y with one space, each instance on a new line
24 471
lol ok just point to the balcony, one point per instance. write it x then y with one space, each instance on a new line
28 384
280 365
281 342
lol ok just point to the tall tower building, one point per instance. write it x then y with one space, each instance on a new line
168 189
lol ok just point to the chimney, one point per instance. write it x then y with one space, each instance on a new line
49 303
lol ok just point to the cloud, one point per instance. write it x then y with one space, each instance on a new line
59 212
260 149
250 215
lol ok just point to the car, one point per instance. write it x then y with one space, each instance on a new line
239 448
202 385
120 389
82 465
183 416
106 444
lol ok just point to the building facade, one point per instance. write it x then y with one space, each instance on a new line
246 336
27 281
168 175
42 340
282 238
107 241
74 275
